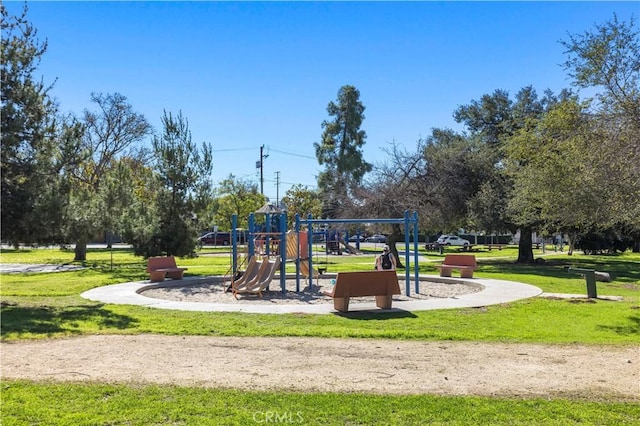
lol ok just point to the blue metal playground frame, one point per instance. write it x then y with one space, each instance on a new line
410 221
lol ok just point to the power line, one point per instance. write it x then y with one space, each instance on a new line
233 149
292 154
313 185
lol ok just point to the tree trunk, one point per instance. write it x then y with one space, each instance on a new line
80 251
392 240
572 242
525 247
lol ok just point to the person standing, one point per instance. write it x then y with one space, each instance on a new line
386 261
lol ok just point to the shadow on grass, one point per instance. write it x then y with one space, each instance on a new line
376 315
629 329
51 320
623 270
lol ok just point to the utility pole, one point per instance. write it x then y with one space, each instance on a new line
259 164
277 189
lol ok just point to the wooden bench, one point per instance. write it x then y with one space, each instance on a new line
159 267
492 246
381 284
466 263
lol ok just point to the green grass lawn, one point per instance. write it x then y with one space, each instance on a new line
91 404
48 305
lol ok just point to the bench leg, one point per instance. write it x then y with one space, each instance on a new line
445 272
156 276
176 275
384 302
341 304
466 273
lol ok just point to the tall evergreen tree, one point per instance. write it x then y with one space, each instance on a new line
340 149
28 149
184 172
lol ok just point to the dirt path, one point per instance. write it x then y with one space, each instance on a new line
335 365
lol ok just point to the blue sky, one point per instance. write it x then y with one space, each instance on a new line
247 74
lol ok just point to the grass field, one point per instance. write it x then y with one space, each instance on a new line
48 305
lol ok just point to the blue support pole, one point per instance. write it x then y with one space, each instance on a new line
251 235
407 275
415 251
310 243
283 251
267 228
234 247
298 253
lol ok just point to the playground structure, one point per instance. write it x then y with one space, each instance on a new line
298 246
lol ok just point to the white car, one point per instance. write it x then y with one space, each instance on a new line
452 240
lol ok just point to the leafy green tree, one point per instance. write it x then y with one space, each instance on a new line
455 169
239 197
303 201
493 121
112 132
340 149
546 158
607 58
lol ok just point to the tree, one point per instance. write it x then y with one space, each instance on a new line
608 59
393 189
302 201
113 132
239 197
493 120
29 151
141 219
455 169
184 173
546 160
340 149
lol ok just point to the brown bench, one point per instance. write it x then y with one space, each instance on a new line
381 284
159 267
466 263
492 246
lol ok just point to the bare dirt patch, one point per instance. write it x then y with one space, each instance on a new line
333 365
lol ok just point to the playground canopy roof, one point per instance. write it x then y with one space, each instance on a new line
268 208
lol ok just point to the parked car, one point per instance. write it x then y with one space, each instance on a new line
355 238
216 239
452 240
377 238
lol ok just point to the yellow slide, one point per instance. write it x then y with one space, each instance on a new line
304 270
